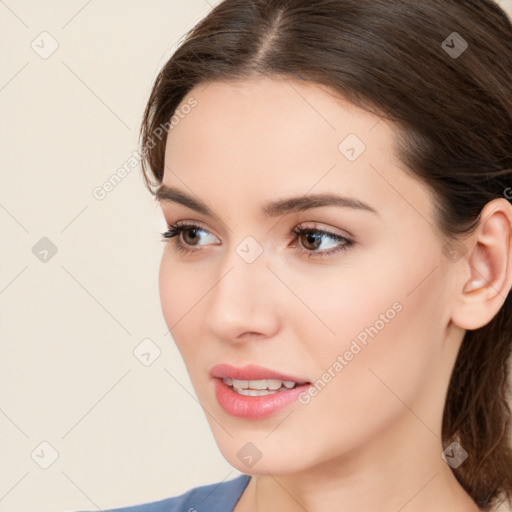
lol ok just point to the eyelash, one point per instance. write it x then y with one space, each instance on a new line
176 229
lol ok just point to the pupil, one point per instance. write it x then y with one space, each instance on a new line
191 231
314 238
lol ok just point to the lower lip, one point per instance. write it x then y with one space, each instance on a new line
254 407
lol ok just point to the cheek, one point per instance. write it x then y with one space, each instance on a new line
385 298
387 304
389 325
180 295
170 287
353 301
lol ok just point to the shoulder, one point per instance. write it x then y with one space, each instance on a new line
217 497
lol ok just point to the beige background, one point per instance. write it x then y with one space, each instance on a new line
123 432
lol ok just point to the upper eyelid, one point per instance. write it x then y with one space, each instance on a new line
184 225
326 231
190 225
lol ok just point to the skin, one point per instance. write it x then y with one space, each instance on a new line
371 438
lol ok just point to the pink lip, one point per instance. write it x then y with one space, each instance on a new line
253 407
250 372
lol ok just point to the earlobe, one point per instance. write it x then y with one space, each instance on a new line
486 267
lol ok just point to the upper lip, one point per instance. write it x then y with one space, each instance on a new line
250 372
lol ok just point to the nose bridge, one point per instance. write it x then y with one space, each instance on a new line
241 300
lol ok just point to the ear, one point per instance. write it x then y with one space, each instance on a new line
486 269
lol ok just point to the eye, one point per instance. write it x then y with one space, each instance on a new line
311 239
192 231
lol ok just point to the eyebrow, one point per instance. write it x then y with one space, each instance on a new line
272 209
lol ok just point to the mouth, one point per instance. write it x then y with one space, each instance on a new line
254 392
261 387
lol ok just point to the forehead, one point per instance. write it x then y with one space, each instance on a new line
247 112
270 137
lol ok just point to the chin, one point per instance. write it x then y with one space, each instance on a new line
258 453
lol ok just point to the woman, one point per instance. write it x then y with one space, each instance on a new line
336 176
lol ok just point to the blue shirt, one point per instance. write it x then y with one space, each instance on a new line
219 497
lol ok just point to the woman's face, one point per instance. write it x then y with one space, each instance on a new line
364 327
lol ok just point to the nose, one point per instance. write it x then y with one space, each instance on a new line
244 302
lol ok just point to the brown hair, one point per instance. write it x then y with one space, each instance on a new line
453 114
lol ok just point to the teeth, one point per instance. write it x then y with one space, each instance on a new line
274 384
258 387
257 384
253 392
